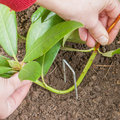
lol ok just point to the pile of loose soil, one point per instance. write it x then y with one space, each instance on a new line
99 93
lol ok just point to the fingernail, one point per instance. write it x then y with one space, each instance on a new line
103 40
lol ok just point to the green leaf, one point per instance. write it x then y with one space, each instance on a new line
31 71
5 75
8 74
8 30
4 69
75 38
46 60
12 72
66 37
51 14
14 64
110 53
117 51
4 61
50 38
40 12
38 28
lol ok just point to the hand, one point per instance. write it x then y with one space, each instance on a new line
12 92
96 15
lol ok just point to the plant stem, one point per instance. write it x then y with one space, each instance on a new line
15 58
87 67
114 24
42 76
76 50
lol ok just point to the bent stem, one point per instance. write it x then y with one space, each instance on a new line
15 58
80 79
76 50
42 76
87 67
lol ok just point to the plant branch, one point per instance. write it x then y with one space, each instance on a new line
87 67
76 50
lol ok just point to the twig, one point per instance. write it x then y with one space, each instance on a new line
80 79
108 70
95 71
52 71
102 65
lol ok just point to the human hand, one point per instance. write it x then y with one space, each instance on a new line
12 93
96 15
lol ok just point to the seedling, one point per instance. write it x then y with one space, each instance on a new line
47 33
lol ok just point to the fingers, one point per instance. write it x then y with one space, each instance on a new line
113 10
103 19
83 33
15 82
85 36
17 97
13 91
51 4
113 33
90 41
9 105
99 33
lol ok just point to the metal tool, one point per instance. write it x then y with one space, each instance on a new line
74 75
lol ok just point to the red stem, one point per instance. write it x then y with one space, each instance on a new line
109 30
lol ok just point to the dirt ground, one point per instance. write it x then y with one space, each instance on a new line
99 93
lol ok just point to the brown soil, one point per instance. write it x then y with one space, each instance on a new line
99 93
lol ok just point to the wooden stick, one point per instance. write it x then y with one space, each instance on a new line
109 30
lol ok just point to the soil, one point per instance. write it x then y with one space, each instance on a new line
99 93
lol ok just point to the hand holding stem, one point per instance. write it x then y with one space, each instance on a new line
96 15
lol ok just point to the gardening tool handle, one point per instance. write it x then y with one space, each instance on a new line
109 30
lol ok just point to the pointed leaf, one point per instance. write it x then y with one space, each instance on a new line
8 30
46 60
38 28
14 64
117 51
4 69
51 14
4 61
110 53
8 74
39 13
5 75
50 38
66 37
75 38
31 71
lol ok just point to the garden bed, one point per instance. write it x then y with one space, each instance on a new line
99 93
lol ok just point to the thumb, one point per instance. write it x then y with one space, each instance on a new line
15 82
9 105
99 33
17 97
